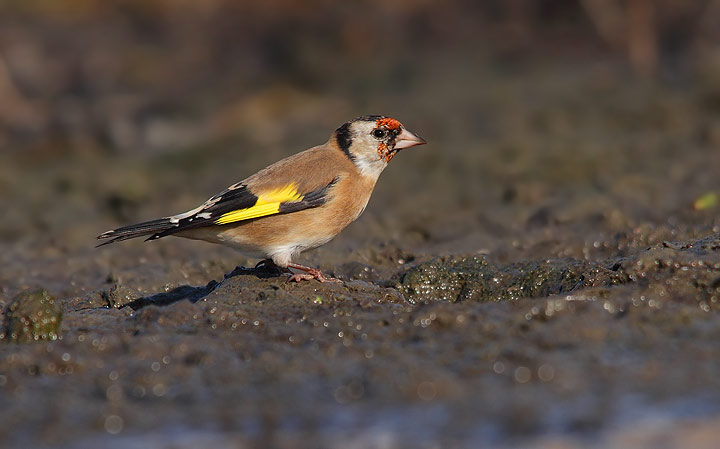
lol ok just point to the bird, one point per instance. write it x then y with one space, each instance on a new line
294 205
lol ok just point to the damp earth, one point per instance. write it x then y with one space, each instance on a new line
544 273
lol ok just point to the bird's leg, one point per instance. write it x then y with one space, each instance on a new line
310 273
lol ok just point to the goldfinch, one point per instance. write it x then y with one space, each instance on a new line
294 205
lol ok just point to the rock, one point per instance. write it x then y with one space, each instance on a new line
119 295
475 279
32 316
449 279
687 270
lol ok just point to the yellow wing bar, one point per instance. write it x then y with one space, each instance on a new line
268 203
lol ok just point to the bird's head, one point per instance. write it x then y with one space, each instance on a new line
372 141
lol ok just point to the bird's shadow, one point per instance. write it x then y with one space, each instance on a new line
195 294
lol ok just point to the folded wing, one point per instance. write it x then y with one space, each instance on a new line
239 204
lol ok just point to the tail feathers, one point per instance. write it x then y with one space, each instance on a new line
136 230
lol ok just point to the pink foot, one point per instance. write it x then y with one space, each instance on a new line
310 274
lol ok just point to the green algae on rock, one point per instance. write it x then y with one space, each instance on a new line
449 279
475 279
687 270
32 316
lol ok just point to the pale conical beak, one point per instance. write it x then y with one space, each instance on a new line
406 139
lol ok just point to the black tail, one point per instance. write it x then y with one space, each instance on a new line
137 230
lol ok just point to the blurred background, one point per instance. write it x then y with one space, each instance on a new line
112 109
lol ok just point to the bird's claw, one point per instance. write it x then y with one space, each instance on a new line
311 274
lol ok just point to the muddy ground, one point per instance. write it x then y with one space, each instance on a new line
544 273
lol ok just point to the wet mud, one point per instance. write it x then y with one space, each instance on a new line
467 350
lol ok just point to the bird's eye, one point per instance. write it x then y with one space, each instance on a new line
379 133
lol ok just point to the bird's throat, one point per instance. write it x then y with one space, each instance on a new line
386 153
